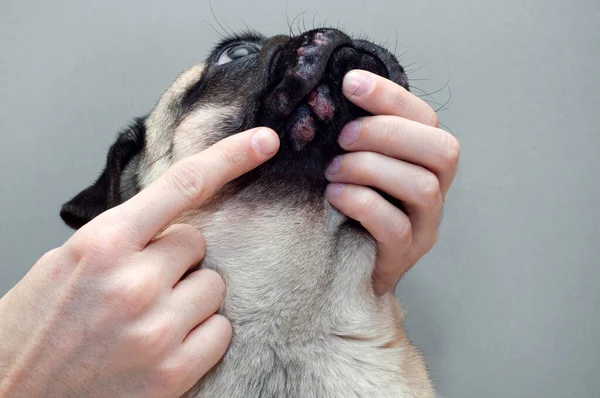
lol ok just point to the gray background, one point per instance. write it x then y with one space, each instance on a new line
506 305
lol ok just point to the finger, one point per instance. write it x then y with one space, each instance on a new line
203 348
417 188
192 180
196 297
388 225
391 265
430 147
176 249
381 96
409 183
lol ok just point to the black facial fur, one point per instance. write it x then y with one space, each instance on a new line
292 85
106 191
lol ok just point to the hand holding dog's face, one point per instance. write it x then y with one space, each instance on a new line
401 152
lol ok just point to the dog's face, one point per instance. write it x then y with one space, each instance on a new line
298 272
291 84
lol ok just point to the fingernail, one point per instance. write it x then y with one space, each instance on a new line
357 84
264 141
334 166
349 133
334 189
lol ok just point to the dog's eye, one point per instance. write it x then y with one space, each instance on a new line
236 52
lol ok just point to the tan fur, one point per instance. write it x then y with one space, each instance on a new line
161 124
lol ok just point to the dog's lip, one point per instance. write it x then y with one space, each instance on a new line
319 101
308 72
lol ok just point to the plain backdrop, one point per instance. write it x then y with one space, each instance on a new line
507 303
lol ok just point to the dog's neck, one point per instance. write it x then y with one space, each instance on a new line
300 300
285 266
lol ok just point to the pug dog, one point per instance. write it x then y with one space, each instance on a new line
306 321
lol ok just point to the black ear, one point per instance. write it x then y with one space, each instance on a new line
105 192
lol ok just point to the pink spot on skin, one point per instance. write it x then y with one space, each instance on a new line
320 104
303 130
320 39
306 50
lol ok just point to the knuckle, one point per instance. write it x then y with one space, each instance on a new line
215 284
431 118
389 127
189 180
369 204
192 234
105 238
172 377
232 158
186 236
362 164
101 244
451 151
429 188
401 231
152 339
225 329
50 255
400 99
133 294
434 239
423 246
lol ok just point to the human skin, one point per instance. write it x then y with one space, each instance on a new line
402 152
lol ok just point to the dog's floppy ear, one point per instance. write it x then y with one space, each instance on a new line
105 192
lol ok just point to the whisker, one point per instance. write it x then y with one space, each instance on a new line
448 101
446 128
301 20
293 21
408 66
419 68
220 34
212 11
433 92
287 20
304 21
228 25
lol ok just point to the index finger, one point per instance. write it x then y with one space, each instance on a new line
191 181
381 96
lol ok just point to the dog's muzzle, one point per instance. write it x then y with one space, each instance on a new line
307 72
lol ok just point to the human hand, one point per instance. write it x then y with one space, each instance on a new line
107 314
401 152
